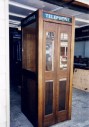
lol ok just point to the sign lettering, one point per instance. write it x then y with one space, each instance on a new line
57 17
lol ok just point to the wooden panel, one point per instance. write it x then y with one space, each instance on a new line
30 73
48 97
29 99
40 69
59 73
71 68
29 45
31 52
24 54
78 3
81 4
63 72
63 116
81 79
50 74
42 98
62 95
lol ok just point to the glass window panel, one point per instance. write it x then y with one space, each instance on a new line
62 94
64 37
48 97
49 51
63 50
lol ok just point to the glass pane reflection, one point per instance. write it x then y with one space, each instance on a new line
48 97
63 50
62 94
49 51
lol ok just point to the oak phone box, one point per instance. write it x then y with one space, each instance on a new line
47 62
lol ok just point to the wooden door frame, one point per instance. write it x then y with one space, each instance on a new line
40 64
49 75
64 73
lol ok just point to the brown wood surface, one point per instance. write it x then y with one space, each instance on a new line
57 73
34 48
29 48
40 69
78 3
81 4
81 79
63 73
59 22
29 92
71 68
49 75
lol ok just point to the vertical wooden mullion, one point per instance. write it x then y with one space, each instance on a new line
40 69
71 68
44 63
57 69
68 70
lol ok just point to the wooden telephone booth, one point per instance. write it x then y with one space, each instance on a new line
47 62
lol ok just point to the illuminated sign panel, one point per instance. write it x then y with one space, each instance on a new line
57 17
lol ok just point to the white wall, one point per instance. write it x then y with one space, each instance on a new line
4 64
